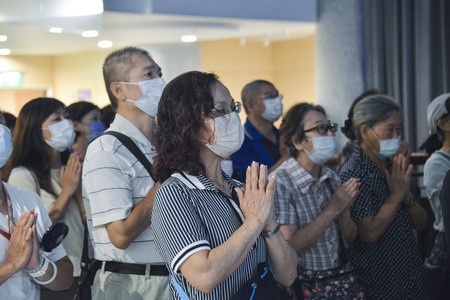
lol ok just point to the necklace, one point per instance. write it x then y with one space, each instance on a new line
10 218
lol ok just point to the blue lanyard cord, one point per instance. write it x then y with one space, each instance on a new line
254 286
266 270
179 289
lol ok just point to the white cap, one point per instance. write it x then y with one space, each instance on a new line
439 107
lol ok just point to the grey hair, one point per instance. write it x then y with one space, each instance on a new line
117 67
372 110
250 91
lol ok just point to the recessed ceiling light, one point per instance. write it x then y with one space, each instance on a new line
189 38
5 51
105 44
55 30
89 33
3 38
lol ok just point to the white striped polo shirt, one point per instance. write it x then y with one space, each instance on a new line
114 182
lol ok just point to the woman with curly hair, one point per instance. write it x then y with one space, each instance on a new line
213 232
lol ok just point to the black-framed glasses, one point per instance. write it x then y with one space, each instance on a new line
323 128
235 106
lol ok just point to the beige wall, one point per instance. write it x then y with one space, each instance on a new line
82 71
290 65
37 75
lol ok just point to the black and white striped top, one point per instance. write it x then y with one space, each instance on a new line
188 218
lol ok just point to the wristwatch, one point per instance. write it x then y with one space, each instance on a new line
268 234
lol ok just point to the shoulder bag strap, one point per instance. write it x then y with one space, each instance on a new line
133 148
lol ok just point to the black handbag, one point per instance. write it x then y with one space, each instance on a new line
264 286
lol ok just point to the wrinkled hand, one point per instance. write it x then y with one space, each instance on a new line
34 257
21 243
399 178
344 195
71 174
256 200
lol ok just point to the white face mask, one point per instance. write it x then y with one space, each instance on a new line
274 109
228 135
151 91
63 135
6 145
324 148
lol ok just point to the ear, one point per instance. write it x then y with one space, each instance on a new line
443 125
207 133
78 126
117 89
297 144
364 131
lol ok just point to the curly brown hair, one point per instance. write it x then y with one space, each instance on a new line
185 102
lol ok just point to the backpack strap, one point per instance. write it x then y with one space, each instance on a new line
134 149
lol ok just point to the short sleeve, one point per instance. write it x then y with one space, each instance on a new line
178 230
433 175
107 183
22 177
284 201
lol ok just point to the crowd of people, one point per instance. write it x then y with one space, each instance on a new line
173 198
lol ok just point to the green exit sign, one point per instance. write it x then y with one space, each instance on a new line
11 79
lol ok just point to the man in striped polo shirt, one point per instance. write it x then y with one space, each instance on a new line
117 187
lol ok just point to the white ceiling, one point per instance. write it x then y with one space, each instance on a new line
28 33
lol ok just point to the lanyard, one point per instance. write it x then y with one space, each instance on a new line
10 218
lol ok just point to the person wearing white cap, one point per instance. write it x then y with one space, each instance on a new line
438 117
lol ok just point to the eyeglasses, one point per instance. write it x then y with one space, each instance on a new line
235 106
323 128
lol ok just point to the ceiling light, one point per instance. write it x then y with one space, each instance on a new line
105 44
55 30
3 38
5 51
73 8
188 38
89 33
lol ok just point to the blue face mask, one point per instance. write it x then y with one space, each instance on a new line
324 148
6 145
388 147
95 129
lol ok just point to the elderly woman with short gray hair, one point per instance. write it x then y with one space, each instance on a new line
385 254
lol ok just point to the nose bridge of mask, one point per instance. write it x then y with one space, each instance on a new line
271 102
219 125
323 142
152 86
59 126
